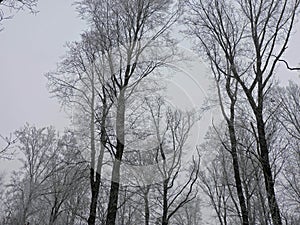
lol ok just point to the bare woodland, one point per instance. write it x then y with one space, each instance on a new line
123 160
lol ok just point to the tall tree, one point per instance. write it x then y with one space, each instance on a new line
228 91
289 117
155 159
250 36
79 84
171 131
126 34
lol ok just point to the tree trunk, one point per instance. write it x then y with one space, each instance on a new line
233 141
115 178
165 202
95 184
264 151
147 211
267 172
54 212
237 177
114 189
93 205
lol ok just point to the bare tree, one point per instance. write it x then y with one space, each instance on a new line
37 147
157 146
123 31
289 109
289 117
5 152
79 83
230 95
171 140
120 33
189 214
52 171
65 181
251 36
217 178
6 6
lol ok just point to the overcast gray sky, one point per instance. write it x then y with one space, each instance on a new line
31 45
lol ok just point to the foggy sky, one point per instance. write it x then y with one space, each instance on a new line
31 45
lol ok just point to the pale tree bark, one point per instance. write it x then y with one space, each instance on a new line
122 35
78 83
122 40
96 167
115 179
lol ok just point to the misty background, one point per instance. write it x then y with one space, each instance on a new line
31 45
